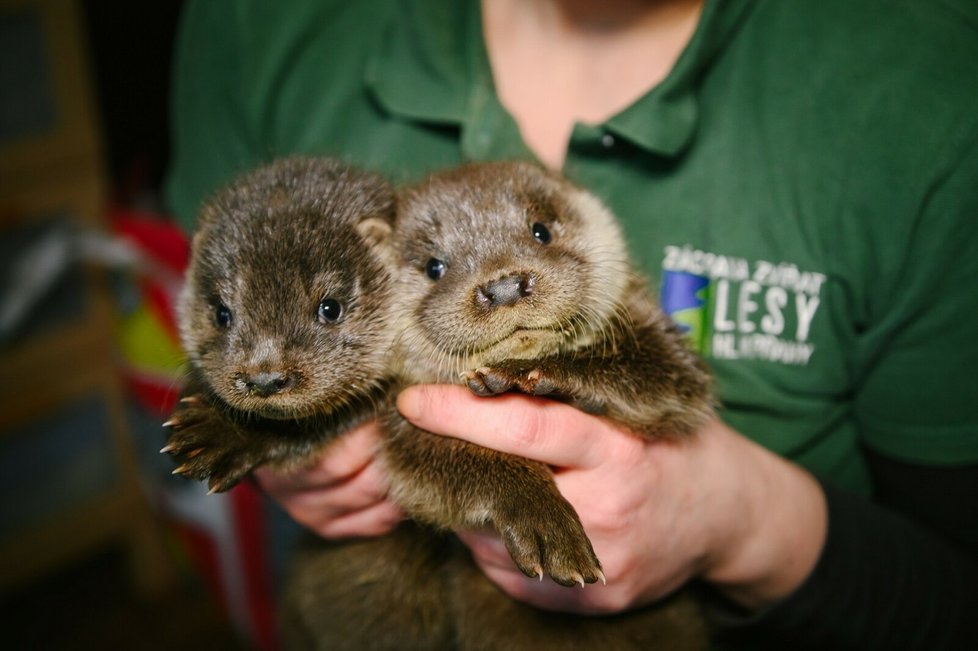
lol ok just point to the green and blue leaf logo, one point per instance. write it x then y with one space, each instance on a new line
686 298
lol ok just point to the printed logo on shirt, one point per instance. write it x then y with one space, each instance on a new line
733 308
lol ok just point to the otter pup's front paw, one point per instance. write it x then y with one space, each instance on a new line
199 443
551 541
490 381
541 379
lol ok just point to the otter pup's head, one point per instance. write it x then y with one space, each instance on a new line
505 260
285 309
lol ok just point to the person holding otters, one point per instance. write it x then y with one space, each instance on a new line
799 180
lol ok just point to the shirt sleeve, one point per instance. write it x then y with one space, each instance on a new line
884 580
212 136
915 398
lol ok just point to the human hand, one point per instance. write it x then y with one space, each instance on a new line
342 495
658 513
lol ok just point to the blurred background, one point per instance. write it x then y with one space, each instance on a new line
100 547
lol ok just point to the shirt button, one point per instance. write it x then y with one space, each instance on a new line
608 141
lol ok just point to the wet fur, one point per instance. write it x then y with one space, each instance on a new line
588 334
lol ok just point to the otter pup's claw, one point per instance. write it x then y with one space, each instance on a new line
488 381
547 538
215 485
225 481
512 375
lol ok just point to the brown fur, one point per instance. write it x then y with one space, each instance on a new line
270 248
568 318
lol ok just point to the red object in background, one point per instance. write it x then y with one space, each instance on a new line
166 250
166 244
223 534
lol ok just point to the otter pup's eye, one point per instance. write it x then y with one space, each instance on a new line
435 268
222 315
540 233
330 310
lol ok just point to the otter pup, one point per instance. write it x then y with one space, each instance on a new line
285 318
508 278
514 279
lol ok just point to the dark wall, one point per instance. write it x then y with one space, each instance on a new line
130 46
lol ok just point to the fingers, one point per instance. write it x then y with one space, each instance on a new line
375 520
355 506
489 550
343 459
344 494
540 429
366 487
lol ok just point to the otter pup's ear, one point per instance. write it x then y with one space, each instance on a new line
375 229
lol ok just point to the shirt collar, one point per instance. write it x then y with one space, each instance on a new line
665 119
432 67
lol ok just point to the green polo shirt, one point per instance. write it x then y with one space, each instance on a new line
802 189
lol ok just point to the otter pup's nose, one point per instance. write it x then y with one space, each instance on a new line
265 383
505 291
